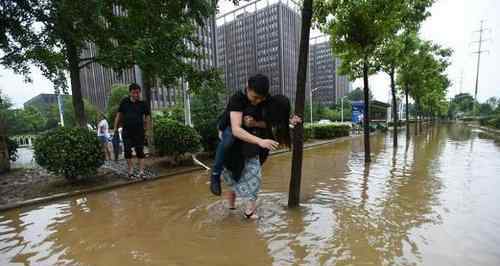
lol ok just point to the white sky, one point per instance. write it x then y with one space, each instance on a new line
452 24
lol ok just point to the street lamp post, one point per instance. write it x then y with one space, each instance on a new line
342 109
311 103
187 118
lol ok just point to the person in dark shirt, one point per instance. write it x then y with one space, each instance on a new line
134 114
252 123
249 105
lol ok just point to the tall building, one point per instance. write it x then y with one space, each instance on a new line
96 80
322 72
264 37
324 80
343 84
260 37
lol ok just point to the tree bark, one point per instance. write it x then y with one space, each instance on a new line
148 84
366 112
298 132
76 87
416 119
395 119
407 114
4 154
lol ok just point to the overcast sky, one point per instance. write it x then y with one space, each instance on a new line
452 24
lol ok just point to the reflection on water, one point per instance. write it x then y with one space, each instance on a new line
431 201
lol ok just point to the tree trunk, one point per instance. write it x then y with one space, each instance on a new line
76 87
298 132
416 117
395 119
366 112
407 114
148 84
4 153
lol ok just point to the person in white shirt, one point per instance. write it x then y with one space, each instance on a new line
103 135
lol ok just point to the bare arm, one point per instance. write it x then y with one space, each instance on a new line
240 133
117 121
249 121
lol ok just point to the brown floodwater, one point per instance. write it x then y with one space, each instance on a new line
432 201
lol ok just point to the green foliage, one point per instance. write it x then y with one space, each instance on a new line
330 131
12 149
461 105
26 121
91 113
423 75
118 92
70 152
206 107
357 95
491 121
325 131
307 132
175 139
157 36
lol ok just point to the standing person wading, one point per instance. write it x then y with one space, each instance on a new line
134 114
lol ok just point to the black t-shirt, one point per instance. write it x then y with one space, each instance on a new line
133 114
239 103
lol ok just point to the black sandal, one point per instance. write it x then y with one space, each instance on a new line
250 215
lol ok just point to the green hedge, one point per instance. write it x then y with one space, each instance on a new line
175 139
491 121
70 152
329 131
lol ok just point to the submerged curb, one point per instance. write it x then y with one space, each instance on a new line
123 183
92 190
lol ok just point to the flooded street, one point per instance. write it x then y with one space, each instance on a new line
432 201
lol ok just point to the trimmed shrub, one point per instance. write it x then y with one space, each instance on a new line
330 131
12 149
307 132
495 122
175 139
71 152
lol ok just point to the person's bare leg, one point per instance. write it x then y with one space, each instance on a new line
251 210
141 165
130 166
231 199
105 152
108 151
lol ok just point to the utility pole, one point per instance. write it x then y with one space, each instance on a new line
478 52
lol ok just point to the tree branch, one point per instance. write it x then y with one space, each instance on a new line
87 58
87 63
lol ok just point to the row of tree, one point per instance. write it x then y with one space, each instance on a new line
34 120
158 36
382 35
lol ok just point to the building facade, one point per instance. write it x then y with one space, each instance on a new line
327 85
260 37
96 80
264 37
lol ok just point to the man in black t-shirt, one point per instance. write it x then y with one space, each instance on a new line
242 116
134 115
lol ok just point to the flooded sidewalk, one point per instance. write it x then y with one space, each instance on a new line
431 201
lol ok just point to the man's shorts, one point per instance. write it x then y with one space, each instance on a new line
133 140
